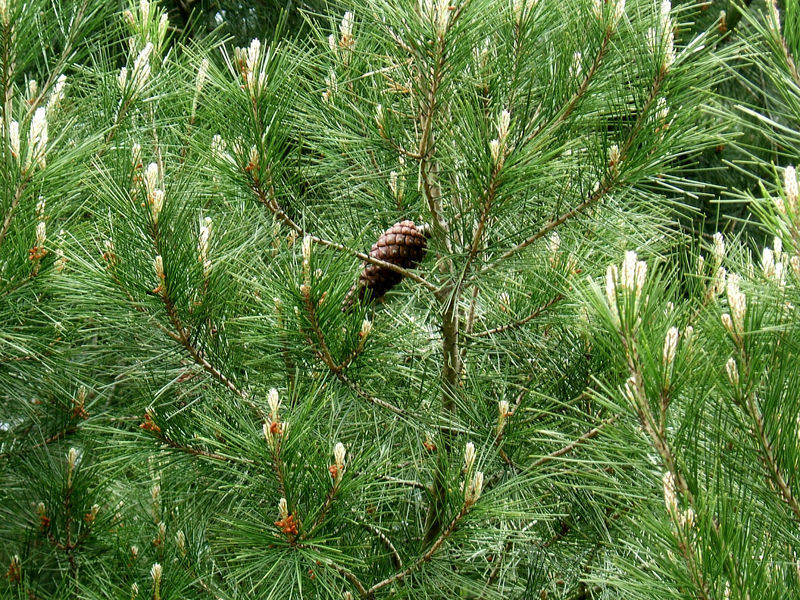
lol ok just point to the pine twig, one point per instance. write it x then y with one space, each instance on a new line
337 370
13 208
408 482
326 506
538 311
182 336
593 198
574 443
607 183
199 452
396 560
580 92
324 352
369 397
422 559
753 411
56 70
362 591
53 438
769 458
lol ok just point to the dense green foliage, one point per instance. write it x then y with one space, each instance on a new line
570 397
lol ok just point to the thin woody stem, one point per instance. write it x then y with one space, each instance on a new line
199 452
13 208
336 369
408 482
579 93
362 591
508 326
396 560
277 464
594 197
422 559
753 411
326 507
659 441
53 438
55 72
574 443
769 458
369 397
324 352
605 186
487 203
181 335
449 294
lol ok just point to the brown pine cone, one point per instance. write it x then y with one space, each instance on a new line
403 244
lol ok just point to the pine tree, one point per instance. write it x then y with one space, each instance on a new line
541 388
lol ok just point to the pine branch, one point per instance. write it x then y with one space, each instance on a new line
753 411
326 506
508 326
605 186
337 370
592 433
277 463
362 591
408 482
57 69
599 193
9 64
182 336
53 438
324 352
124 106
581 91
487 202
396 560
566 449
428 169
769 457
166 440
13 207
370 593
369 397
656 431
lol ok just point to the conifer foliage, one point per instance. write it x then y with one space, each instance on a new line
560 395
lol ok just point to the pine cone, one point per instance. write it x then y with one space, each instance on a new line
403 244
